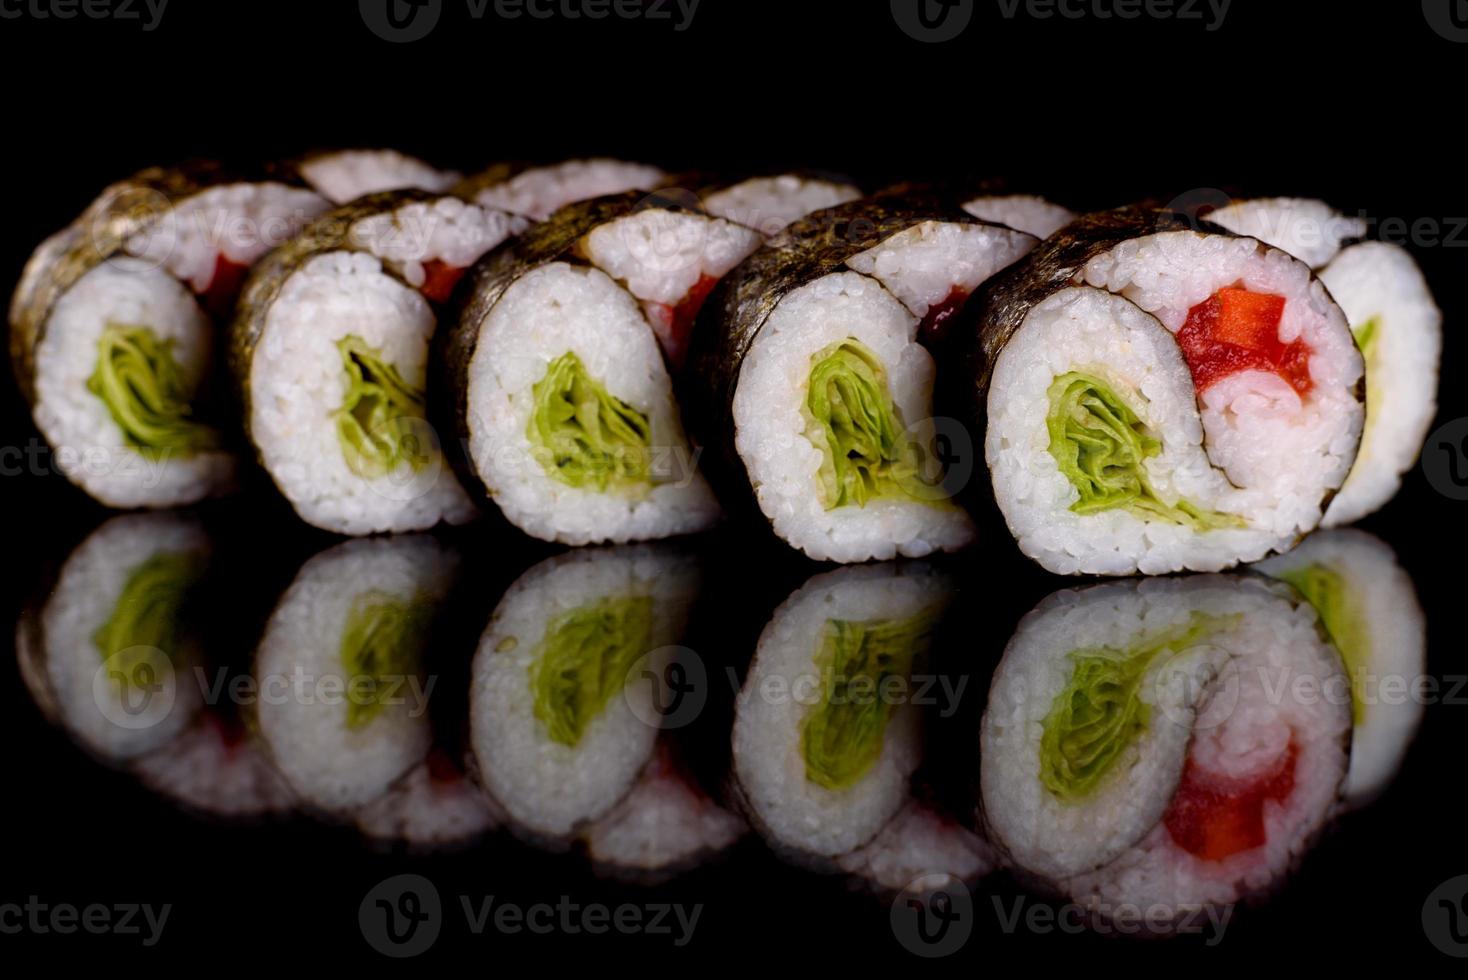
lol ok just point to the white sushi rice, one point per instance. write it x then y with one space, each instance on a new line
771 423
768 204
923 265
1025 212
921 850
1096 333
1388 658
1308 229
1375 280
88 446
426 811
297 380
1258 429
783 687
305 687
550 789
205 771
553 309
240 222
346 175
539 191
87 701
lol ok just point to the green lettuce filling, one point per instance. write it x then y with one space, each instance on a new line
142 385
1100 444
842 736
583 661
381 648
1342 615
587 436
381 418
866 453
146 622
1099 715
1366 335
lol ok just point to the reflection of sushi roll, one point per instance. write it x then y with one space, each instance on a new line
1157 398
110 328
1172 743
1370 610
434 806
539 191
666 824
921 849
825 738
564 406
562 716
330 348
1026 212
111 651
216 767
815 384
345 175
1399 330
342 703
1308 229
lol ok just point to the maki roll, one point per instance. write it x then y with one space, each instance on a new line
1307 228
812 381
1026 212
1399 330
345 175
766 203
1137 750
562 715
343 701
564 407
110 330
824 744
539 191
108 655
1155 397
1368 606
330 348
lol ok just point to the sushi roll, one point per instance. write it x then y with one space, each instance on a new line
1028 213
345 175
1307 228
667 824
564 407
768 203
1399 329
108 655
329 348
562 715
824 744
1369 607
110 328
539 191
217 768
812 385
343 701
1156 398
1164 743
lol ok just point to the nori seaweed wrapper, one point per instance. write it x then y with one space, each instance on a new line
556 239
809 249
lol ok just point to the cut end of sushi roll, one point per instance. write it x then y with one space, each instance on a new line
345 175
562 721
1025 212
332 342
1399 330
1367 604
1308 229
538 192
1168 743
769 204
343 703
823 750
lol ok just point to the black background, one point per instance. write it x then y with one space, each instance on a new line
1359 104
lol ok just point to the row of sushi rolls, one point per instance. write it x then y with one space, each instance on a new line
604 353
